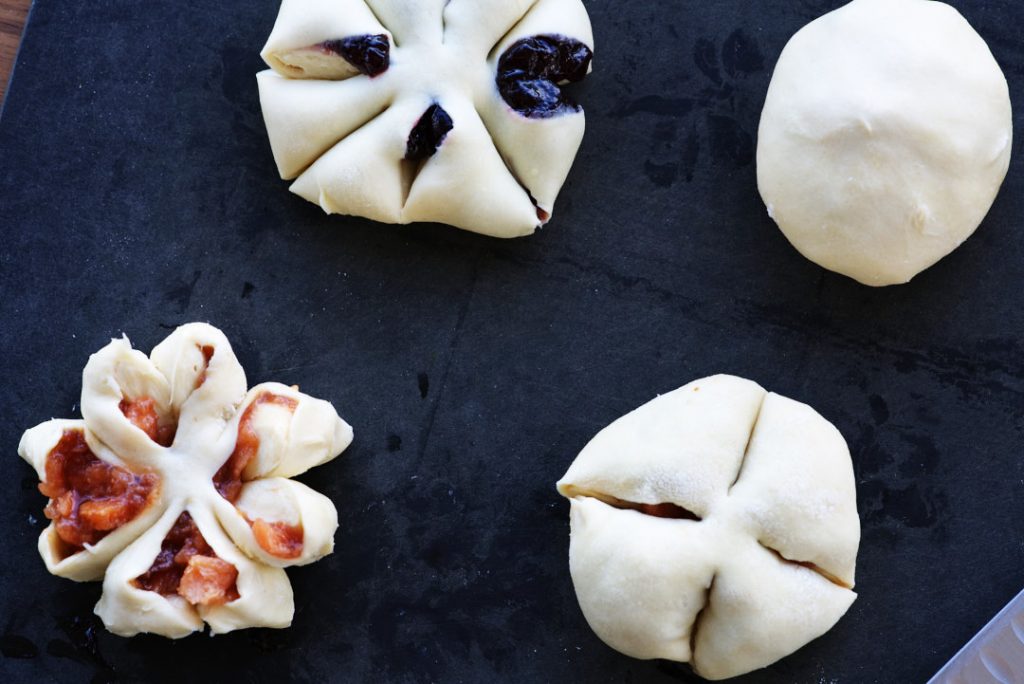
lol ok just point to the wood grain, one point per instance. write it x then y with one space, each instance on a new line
12 22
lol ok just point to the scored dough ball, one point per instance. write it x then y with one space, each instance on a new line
414 111
884 139
715 525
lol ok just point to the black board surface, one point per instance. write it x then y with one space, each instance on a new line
137 192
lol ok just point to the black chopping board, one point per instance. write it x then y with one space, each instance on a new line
137 192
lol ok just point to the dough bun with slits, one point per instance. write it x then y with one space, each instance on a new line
715 525
885 138
447 111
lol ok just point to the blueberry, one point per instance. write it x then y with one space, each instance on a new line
574 60
428 133
530 70
537 96
370 54
535 56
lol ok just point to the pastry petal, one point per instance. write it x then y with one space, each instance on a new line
304 24
641 581
797 488
280 500
292 439
468 167
205 395
115 373
127 610
761 609
88 564
540 151
684 447
363 174
306 118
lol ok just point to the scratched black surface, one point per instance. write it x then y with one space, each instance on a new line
137 192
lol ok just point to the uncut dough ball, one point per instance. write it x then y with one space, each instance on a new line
716 525
884 139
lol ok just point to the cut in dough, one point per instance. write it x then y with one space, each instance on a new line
884 139
715 525
448 111
219 456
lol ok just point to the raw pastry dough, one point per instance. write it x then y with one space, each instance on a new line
427 110
715 525
224 470
884 139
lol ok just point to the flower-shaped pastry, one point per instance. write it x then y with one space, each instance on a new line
174 487
717 525
428 110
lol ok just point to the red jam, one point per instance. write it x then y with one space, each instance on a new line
207 351
667 510
90 498
188 567
142 414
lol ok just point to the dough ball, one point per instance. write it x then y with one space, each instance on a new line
447 111
884 139
173 488
715 525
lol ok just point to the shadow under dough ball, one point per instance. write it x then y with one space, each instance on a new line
885 138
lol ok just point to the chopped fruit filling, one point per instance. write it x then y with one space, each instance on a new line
142 414
228 479
207 351
188 567
90 498
370 54
278 538
428 133
208 581
531 69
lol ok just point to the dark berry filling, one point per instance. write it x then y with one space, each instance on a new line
531 69
370 54
428 133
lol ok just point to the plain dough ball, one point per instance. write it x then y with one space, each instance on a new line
765 562
884 139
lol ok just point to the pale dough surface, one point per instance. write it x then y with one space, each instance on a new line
291 442
342 136
885 138
767 568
